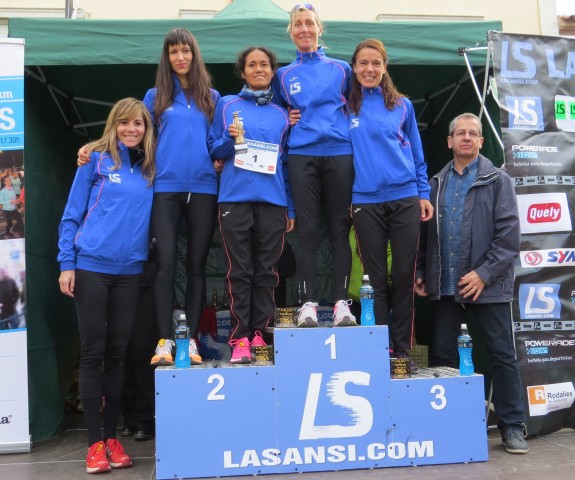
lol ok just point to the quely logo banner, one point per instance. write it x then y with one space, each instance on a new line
536 93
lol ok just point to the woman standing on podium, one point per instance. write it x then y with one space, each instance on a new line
390 190
249 133
314 88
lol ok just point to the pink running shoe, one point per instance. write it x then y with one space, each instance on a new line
241 352
258 340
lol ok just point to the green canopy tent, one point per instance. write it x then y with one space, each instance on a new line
75 69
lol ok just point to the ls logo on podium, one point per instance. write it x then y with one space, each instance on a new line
359 408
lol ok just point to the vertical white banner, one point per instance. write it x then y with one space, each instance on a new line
14 418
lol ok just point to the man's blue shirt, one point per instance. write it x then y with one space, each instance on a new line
450 224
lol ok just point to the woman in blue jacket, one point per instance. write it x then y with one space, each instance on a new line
182 107
255 209
390 190
104 238
314 88
186 185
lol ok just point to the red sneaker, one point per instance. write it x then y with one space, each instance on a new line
96 461
116 455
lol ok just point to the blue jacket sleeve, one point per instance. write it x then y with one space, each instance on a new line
75 212
412 132
220 144
149 101
277 97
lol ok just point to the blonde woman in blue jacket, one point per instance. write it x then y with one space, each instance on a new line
104 238
390 194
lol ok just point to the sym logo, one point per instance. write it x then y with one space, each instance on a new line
544 212
548 258
533 258
525 113
539 300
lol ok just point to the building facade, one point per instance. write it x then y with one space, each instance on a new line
537 17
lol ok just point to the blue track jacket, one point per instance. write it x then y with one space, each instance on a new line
183 163
264 123
106 223
388 155
317 86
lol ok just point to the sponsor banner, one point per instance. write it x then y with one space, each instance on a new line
14 419
544 399
544 212
536 93
554 257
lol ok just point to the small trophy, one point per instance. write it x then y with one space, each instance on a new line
241 146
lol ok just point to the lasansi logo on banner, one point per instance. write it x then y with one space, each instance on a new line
544 212
519 62
539 300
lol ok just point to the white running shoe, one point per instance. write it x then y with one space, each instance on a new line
307 315
195 358
163 356
342 317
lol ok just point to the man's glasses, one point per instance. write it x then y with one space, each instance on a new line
471 133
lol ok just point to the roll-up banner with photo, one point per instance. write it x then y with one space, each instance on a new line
535 83
14 424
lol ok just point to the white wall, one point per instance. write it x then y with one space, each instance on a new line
535 16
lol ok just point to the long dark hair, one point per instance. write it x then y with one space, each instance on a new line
199 79
391 96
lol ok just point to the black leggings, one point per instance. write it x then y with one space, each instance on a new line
312 178
199 212
106 307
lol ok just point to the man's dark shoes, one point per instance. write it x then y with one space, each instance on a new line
513 439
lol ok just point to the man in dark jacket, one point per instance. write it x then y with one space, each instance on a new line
465 262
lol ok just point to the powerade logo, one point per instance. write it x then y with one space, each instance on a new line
539 300
548 258
537 351
525 113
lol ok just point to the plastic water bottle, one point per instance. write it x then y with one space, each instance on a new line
182 343
465 347
366 300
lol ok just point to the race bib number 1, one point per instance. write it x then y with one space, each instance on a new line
260 157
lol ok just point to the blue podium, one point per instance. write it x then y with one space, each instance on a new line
327 403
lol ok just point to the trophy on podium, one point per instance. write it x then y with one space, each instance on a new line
241 146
